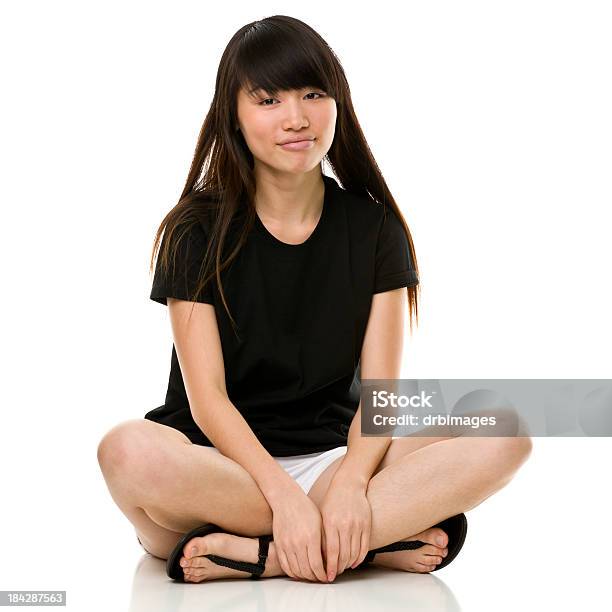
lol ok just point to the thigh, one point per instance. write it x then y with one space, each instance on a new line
398 448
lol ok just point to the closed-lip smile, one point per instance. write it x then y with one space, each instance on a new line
297 139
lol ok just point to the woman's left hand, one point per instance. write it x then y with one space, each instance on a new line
347 520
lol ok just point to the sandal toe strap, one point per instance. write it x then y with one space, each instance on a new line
411 545
255 569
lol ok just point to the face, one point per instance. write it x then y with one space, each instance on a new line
307 114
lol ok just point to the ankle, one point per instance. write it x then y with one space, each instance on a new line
273 567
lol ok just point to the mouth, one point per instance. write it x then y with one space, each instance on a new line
297 145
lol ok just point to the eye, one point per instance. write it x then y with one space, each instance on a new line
316 93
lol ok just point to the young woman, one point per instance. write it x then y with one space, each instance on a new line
284 289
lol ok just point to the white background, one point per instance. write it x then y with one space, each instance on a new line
491 124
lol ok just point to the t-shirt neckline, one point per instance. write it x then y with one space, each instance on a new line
263 230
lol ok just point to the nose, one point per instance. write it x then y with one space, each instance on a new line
295 117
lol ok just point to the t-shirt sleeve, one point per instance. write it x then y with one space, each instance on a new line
182 282
394 265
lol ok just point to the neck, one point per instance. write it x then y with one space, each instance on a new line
290 200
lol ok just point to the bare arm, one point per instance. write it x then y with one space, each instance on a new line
198 348
381 357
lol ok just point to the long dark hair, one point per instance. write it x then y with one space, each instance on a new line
275 54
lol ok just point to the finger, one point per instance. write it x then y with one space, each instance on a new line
333 549
355 547
345 551
295 564
341 553
357 560
348 552
305 565
316 562
323 547
286 565
363 551
284 562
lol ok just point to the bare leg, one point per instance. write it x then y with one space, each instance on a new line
166 486
417 491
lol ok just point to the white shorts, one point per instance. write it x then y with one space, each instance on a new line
305 469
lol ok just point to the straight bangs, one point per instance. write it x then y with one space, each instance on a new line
271 59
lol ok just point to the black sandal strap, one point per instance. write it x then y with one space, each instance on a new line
454 526
264 543
411 545
369 557
256 569
243 566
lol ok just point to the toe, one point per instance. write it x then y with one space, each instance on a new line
425 567
196 562
200 546
434 537
192 548
428 549
429 559
440 537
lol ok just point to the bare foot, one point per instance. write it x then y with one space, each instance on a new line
420 560
197 567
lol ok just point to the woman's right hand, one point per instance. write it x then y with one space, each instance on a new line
296 529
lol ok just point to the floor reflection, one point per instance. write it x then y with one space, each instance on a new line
367 589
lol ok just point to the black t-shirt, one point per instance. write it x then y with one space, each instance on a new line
301 312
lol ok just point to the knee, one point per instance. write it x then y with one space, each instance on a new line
505 455
126 449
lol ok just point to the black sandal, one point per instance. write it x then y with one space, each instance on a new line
175 571
455 527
